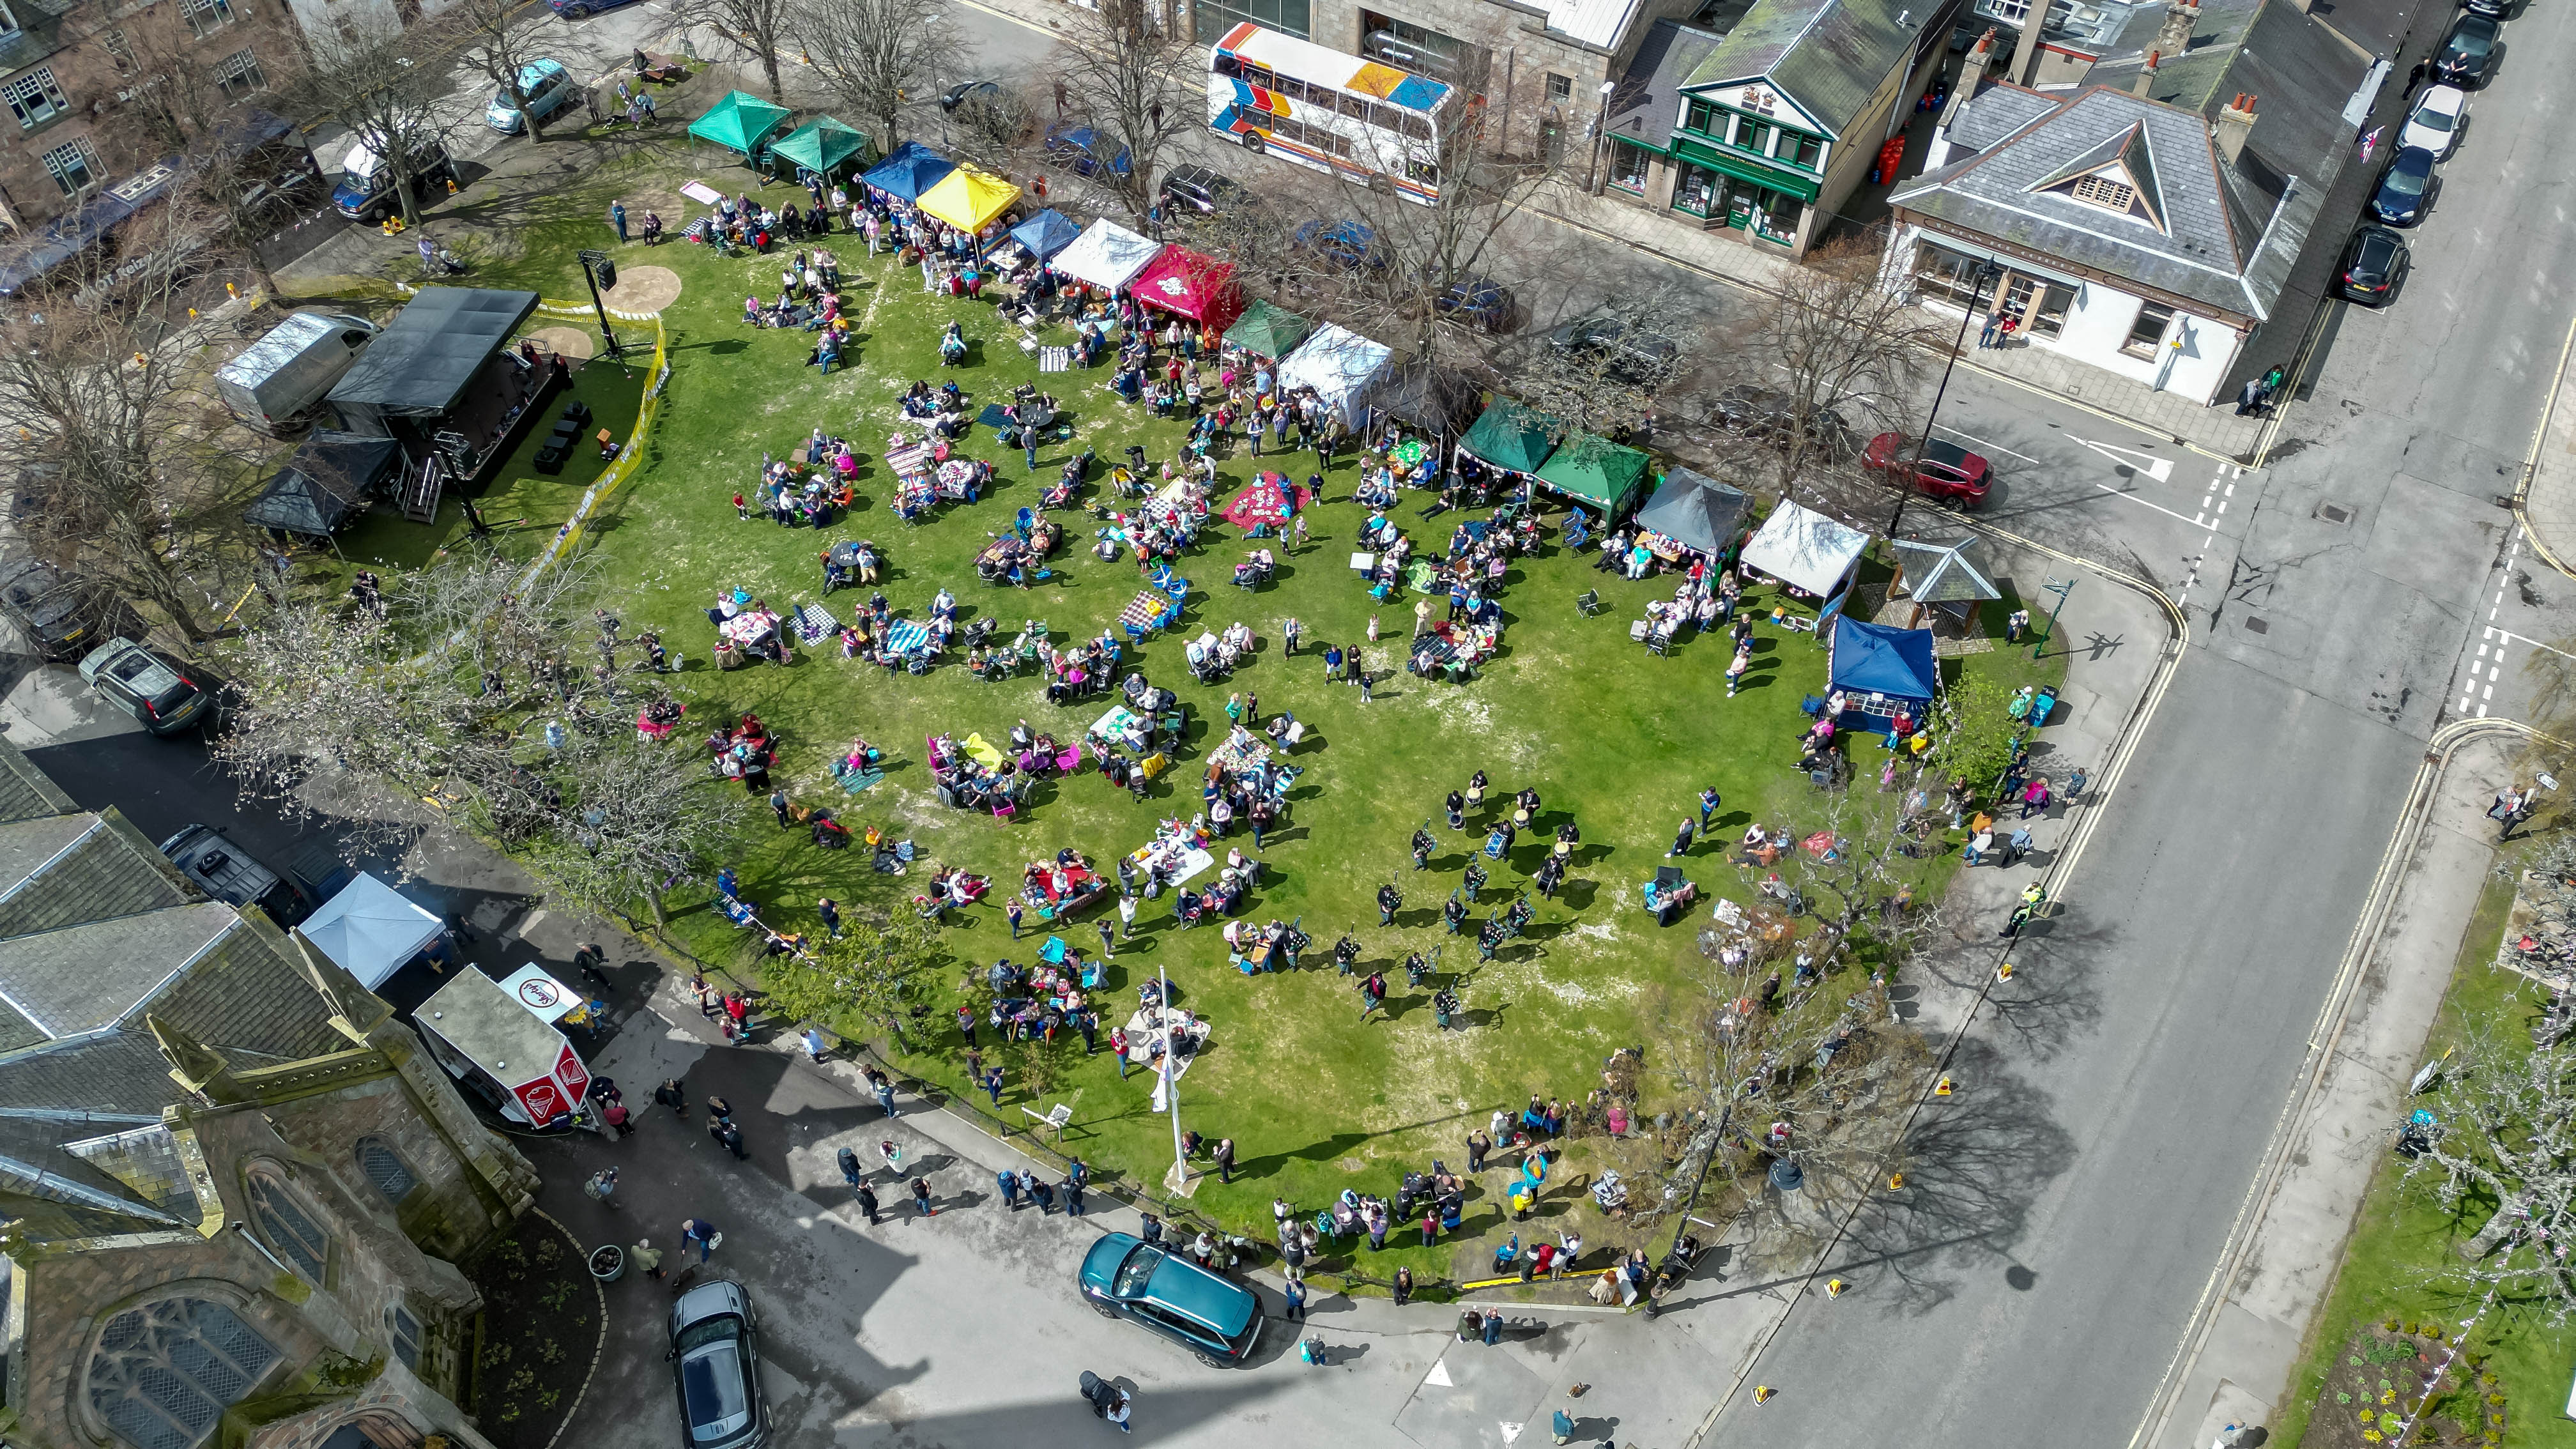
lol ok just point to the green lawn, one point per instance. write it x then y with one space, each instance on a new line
1315 1099
2401 1237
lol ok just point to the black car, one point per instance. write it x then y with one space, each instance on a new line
1479 301
957 94
2406 188
2466 52
2492 9
1633 353
1199 189
2373 263
60 619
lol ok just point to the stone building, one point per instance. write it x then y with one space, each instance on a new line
104 95
233 1189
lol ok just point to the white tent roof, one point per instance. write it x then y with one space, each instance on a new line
1805 548
1106 255
370 929
1340 365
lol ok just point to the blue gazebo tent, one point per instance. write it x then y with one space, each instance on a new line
909 170
1881 673
1045 234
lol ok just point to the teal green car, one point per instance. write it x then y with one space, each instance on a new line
1123 1276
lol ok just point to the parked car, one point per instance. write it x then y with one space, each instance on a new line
227 873
956 95
1217 1319
1087 150
2374 261
1639 356
365 190
1344 246
2466 52
547 85
2493 9
1200 189
1771 417
2406 188
715 1362
1946 471
579 9
58 617
155 690
2436 121
1482 302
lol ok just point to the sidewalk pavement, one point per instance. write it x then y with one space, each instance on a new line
2237 1365
2547 502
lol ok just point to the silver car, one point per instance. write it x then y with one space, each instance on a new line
715 1357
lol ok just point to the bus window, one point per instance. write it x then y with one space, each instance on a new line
1422 171
1416 127
1258 74
1355 107
1226 64
1291 87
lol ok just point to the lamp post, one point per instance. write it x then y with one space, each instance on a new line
1600 139
593 263
1986 272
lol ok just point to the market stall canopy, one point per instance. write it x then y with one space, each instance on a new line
1939 573
1875 659
910 171
323 484
1267 331
1598 472
1511 436
1046 233
1698 513
421 363
739 122
1806 549
371 929
1341 366
967 198
1424 395
823 143
1191 285
1106 255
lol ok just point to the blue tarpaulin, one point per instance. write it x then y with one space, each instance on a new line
1895 665
1045 234
911 170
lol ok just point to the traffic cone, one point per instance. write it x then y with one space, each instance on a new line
1895 1181
2004 972
1834 1287
1762 1393
1942 1087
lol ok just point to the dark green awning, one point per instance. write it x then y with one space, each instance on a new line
1746 168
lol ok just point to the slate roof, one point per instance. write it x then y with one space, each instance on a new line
1828 55
1647 104
25 793
40 33
1993 113
102 874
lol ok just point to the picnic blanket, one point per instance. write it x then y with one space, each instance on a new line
1180 866
915 459
1243 750
815 623
1122 725
1055 359
1145 1029
1144 609
982 751
1269 499
956 476
1409 452
993 416
907 637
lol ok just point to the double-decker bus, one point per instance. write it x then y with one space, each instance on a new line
1334 112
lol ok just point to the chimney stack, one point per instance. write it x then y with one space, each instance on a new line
2146 75
2180 17
2235 122
1972 74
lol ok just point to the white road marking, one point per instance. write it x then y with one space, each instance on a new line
1982 443
2158 507
2154 467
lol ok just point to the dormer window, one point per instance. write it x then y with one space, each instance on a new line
2106 193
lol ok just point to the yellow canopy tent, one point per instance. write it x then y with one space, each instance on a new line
967 198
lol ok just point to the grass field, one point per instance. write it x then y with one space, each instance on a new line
2401 1238
1315 1099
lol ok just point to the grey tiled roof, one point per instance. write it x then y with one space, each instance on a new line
1828 55
1994 112
40 33
102 875
81 978
27 844
1648 101
25 793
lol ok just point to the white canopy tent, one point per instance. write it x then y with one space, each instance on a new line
1341 366
1805 549
370 929
1106 255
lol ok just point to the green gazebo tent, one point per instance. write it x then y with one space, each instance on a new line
739 122
1597 471
1511 437
823 143
1267 331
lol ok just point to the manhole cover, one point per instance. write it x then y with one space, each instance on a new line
2257 626
2334 513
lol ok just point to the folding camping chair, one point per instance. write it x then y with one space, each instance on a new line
1053 951
1588 603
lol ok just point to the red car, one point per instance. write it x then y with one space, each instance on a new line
1948 472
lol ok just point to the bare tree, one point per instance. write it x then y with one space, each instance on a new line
485 34
872 56
2504 1143
759 29
631 824
1840 350
1620 365
1139 84
994 124
367 81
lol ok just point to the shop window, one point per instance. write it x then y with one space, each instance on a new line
1629 166
2148 331
1950 276
286 1225
1776 215
1698 191
163 1374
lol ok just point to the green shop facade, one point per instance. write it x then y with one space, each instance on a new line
1746 158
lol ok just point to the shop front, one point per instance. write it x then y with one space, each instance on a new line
2037 301
1739 193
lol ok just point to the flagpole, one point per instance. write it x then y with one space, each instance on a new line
1171 1084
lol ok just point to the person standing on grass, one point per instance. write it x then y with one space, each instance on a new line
1735 668
830 911
1224 1159
1332 661
1681 840
617 218
993 1086
1011 911
1126 917
1709 800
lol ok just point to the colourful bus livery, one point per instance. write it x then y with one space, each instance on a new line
1334 112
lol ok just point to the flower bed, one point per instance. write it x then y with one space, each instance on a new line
538 1334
